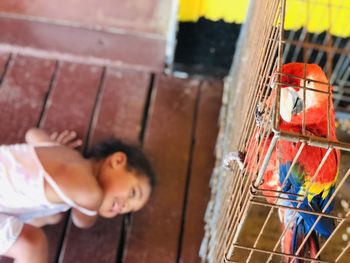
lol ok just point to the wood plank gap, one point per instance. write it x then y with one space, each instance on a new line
123 237
146 109
95 108
126 223
6 66
43 112
62 237
189 171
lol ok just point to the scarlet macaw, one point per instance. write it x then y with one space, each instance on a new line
314 104
292 107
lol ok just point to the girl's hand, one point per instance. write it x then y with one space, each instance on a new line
67 138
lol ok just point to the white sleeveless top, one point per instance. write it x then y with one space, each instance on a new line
22 193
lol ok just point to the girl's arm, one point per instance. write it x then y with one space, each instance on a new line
37 136
91 200
81 220
85 192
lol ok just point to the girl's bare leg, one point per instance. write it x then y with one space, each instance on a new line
31 246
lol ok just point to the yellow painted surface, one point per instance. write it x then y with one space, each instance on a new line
316 15
319 16
228 10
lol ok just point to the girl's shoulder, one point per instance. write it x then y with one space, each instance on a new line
72 173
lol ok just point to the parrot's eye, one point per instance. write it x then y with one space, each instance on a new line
308 82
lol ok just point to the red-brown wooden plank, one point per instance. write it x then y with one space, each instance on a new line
120 110
203 160
70 106
155 230
119 113
72 98
22 95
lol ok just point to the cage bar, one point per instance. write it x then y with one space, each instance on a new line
250 122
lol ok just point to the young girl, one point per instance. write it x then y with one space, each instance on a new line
45 177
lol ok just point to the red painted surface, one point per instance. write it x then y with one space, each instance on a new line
83 45
136 15
118 32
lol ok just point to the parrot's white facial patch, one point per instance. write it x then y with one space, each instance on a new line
286 104
292 103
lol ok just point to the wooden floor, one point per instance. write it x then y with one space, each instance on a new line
174 119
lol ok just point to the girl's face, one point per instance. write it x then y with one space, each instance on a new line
124 190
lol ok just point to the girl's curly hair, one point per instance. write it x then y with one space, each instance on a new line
136 158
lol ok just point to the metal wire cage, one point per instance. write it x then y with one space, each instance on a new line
242 219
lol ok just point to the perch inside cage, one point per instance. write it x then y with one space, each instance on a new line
285 196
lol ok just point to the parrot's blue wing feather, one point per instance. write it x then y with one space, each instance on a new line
326 225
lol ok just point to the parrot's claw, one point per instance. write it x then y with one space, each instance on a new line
262 115
259 114
232 157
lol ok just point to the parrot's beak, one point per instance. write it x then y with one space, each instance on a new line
291 103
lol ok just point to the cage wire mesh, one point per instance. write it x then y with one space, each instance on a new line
248 200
